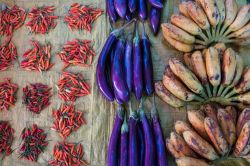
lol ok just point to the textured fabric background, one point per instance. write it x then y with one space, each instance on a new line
98 112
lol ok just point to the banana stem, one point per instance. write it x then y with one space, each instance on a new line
226 90
224 27
204 95
215 88
218 30
204 37
227 32
200 42
198 98
213 33
209 35
230 94
220 90
208 90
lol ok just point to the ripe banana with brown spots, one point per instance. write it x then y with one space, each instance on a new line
172 150
181 126
188 60
232 112
243 118
210 111
242 33
183 9
191 161
242 146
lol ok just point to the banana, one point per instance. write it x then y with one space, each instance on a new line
166 96
210 111
232 112
188 60
180 145
186 76
243 41
181 126
243 118
212 60
172 150
231 12
216 136
198 15
186 24
243 98
221 48
241 19
242 146
183 9
199 145
176 87
196 118
178 34
242 33
227 126
221 8
199 68
190 161
183 47
211 10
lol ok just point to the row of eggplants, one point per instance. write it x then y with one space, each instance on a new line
140 142
126 9
125 66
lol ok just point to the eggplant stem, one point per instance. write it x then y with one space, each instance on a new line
130 107
117 32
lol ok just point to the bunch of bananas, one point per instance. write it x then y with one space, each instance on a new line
202 22
214 75
213 136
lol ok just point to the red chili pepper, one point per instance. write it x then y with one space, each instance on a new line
36 97
33 143
11 19
38 58
81 17
42 19
6 138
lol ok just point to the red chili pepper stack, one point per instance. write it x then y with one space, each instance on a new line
6 138
37 58
68 154
7 94
11 19
42 19
71 86
36 97
81 17
77 52
67 120
8 53
33 143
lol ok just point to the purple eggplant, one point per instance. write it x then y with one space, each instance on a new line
121 7
101 77
158 135
117 73
156 3
150 149
124 143
141 144
132 5
133 139
143 9
111 10
128 16
128 63
137 67
147 64
113 149
155 17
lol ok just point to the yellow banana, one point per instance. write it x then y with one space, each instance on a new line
241 19
178 34
242 146
166 96
211 10
199 145
212 60
186 24
196 118
183 47
199 68
227 126
221 48
181 126
172 83
172 150
186 76
242 33
188 60
183 9
190 161
198 15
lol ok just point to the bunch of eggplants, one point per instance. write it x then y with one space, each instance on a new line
127 9
138 143
125 67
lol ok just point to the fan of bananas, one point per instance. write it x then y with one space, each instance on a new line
214 75
202 22
212 136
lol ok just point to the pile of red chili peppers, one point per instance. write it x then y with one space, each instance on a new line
68 154
42 19
71 86
37 58
33 143
77 52
6 137
8 53
11 19
67 120
81 17
36 97
7 94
